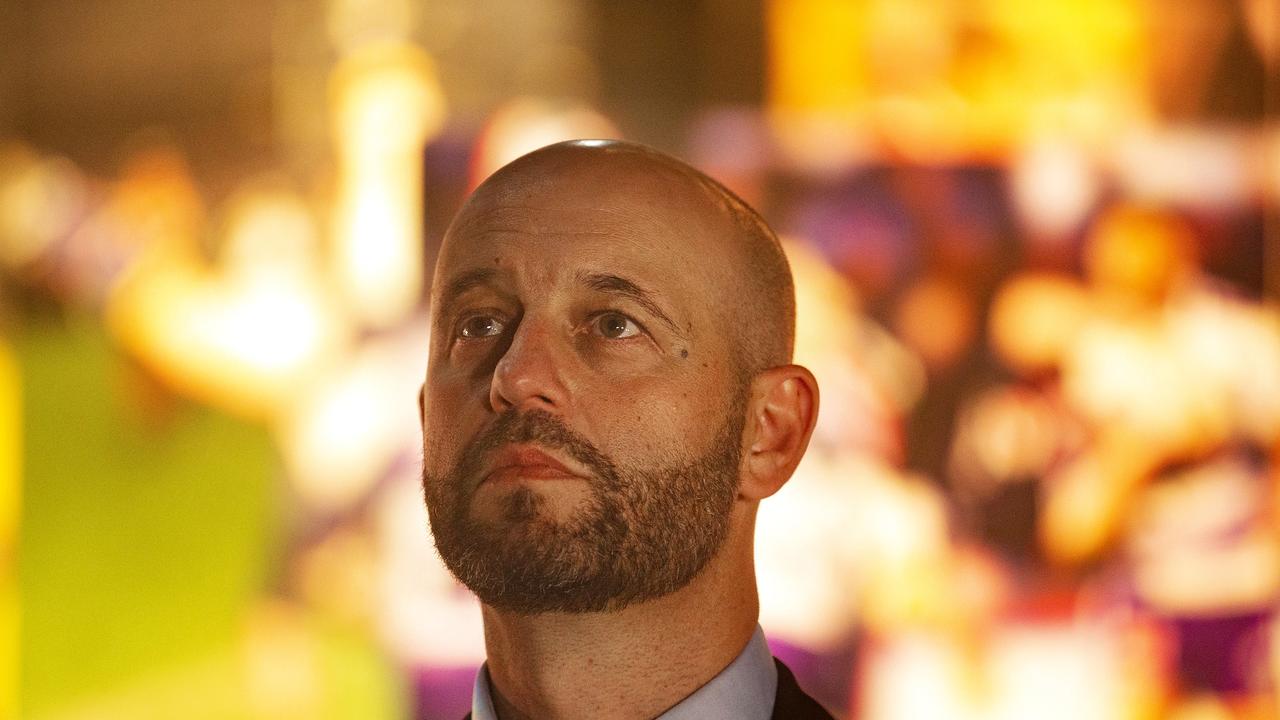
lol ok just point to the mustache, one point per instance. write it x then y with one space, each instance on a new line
537 427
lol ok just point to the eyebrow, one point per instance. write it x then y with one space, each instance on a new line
461 284
600 282
616 285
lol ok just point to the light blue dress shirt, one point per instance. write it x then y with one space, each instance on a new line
744 690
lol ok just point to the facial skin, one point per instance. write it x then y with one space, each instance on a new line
594 377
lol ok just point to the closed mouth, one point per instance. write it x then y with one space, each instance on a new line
528 462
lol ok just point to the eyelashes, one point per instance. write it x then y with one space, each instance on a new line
612 325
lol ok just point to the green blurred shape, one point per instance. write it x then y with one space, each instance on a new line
143 539
290 665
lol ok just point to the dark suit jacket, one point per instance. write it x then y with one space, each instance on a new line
791 703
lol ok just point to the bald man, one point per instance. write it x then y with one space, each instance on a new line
609 396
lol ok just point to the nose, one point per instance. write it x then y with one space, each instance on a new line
530 373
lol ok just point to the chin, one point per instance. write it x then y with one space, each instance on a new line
523 502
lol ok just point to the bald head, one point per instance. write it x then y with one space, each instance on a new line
609 391
688 224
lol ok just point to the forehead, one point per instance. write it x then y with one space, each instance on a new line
653 224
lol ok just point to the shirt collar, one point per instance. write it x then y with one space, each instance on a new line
745 689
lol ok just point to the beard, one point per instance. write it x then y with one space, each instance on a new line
641 533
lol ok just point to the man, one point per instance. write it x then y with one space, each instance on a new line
609 396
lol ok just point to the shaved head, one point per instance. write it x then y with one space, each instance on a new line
615 308
755 282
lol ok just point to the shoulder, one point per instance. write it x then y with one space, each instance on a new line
791 703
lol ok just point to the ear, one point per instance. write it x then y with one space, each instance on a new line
780 417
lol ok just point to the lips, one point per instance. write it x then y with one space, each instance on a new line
524 461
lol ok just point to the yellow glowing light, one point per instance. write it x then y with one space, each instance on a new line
525 124
910 74
1054 185
339 577
353 23
386 104
40 199
826 303
1199 545
341 438
850 538
426 617
327 452
1201 707
1130 373
1138 253
158 201
281 662
1041 671
811 570
247 335
1201 324
1008 434
867 377
1085 501
1035 318
10 511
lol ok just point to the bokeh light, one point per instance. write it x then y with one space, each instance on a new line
1037 259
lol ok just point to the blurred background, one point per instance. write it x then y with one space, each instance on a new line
1037 252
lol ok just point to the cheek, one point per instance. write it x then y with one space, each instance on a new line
656 418
446 424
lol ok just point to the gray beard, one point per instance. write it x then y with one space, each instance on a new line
641 534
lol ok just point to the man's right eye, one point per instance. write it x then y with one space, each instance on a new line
479 326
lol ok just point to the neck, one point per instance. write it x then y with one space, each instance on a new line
631 663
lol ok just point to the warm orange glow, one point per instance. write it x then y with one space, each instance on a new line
1086 500
1199 544
1006 435
868 378
1138 253
1201 324
1131 374
355 23
1041 671
338 576
911 75
937 319
426 616
849 538
1035 318
246 335
525 124
386 103
39 202
1054 185
339 439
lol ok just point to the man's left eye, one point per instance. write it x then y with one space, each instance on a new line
615 326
